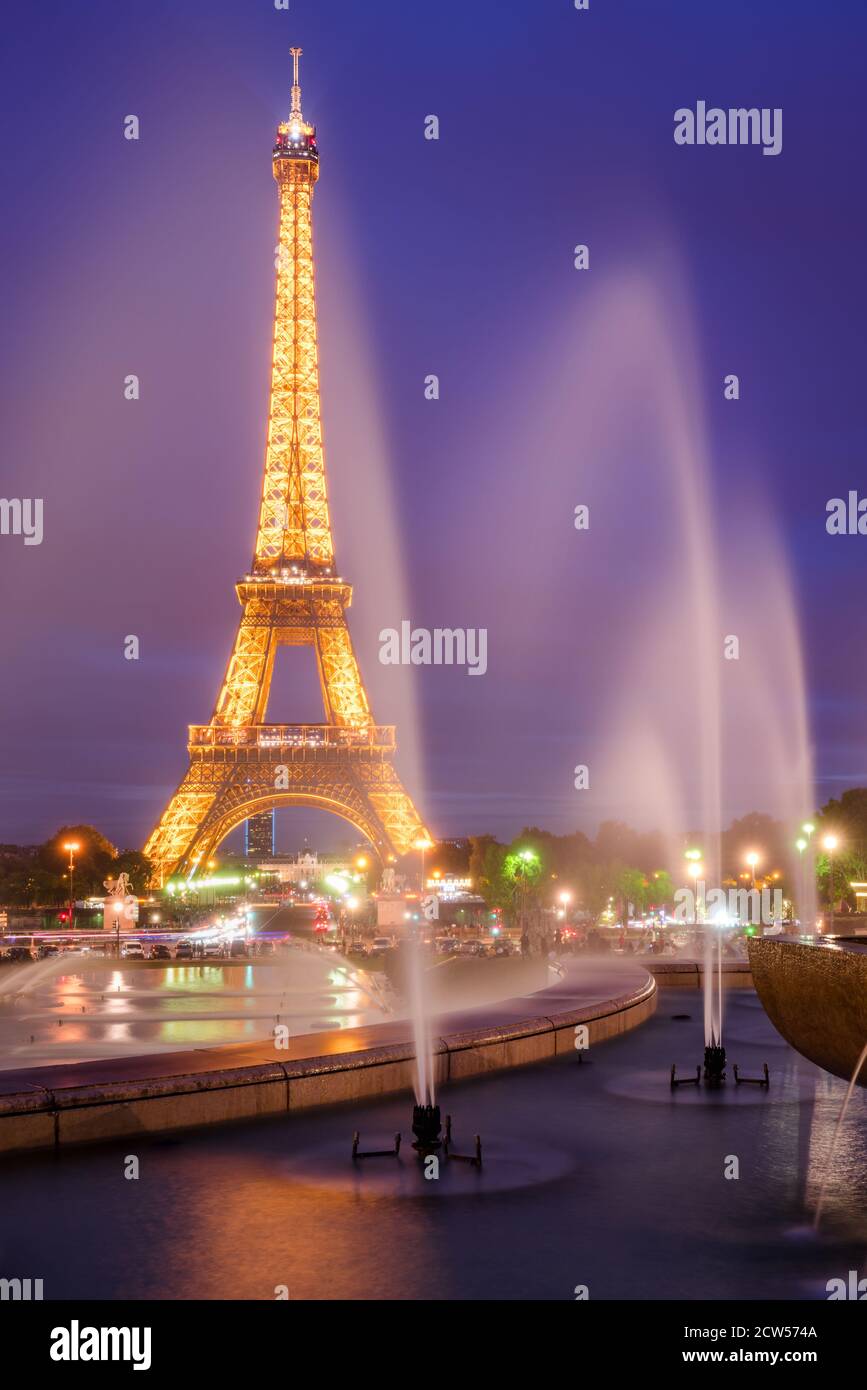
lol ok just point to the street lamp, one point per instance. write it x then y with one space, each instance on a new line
830 843
73 846
800 846
752 859
525 858
565 898
695 870
423 844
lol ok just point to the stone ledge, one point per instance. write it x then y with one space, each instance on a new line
44 1107
680 974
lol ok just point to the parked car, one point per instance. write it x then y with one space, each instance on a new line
47 948
160 952
20 953
446 945
184 950
238 947
132 950
265 948
381 943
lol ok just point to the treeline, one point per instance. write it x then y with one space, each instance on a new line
619 863
645 869
38 875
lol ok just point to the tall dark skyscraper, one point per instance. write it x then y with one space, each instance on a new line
259 836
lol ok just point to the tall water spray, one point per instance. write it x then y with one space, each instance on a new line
692 703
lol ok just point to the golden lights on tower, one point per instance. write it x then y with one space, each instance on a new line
240 765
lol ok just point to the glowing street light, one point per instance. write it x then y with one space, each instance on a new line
829 844
753 859
423 844
800 846
73 846
695 869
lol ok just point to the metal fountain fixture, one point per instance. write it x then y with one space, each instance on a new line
714 1064
429 1139
714 1072
427 1128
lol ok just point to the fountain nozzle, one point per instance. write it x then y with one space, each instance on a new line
426 1126
714 1064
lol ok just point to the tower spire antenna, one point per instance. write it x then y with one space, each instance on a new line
295 113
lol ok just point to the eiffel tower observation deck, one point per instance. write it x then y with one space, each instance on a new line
292 595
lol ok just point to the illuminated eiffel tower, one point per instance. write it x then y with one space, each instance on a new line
239 765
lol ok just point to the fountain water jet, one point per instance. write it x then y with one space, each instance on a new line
425 1092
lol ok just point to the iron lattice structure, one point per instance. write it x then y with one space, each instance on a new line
239 765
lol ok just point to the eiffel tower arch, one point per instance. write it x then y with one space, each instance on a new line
238 764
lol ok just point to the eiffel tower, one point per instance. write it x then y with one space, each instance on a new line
239 765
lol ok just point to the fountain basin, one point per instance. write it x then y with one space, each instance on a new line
120 1097
815 993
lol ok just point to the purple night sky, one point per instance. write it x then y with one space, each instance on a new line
451 257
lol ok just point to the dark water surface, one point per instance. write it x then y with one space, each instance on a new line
595 1175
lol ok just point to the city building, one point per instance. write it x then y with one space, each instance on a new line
259 836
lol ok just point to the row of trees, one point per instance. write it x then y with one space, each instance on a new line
38 876
620 863
642 869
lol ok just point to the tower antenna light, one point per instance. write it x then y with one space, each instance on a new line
296 88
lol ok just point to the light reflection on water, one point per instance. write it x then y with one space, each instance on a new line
94 1010
639 1209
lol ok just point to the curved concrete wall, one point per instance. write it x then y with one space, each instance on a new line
88 1102
689 974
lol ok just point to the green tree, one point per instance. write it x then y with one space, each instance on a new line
849 866
487 857
660 892
599 883
93 858
632 887
32 887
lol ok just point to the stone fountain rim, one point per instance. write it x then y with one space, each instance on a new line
94 1101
